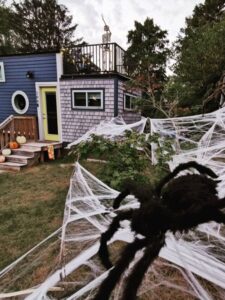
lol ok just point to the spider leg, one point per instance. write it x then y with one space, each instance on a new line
191 164
220 203
219 217
135 278
143 192
107 235
114 275
120 197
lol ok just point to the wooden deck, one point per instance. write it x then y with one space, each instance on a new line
42 146
18 125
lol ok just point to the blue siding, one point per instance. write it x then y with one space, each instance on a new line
44 68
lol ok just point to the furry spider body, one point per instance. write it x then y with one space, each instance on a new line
176 205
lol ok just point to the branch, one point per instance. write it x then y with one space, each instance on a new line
219 89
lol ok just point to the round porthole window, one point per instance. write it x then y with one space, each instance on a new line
20 102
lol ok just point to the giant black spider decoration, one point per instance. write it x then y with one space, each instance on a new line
176 205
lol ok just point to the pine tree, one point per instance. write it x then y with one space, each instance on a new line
146 58
7 36
43 25
200 54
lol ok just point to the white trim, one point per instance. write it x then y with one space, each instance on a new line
59 65
86 98
16 109
38 86
124 101
3 71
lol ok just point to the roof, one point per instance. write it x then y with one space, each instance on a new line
31 53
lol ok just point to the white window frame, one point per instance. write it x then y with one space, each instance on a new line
20 111
86 107
124 101
2 79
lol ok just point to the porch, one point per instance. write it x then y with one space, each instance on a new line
30 153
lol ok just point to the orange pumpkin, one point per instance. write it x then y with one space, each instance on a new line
2 158
13 145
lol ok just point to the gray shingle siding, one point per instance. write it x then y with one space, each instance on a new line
128 116
75 123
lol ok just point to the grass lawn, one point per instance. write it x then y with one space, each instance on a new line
31 207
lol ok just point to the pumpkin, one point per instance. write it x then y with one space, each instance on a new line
2 158
13 145
6 152
21 139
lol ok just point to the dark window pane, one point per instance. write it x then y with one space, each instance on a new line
51 113
94 99
127 101
20 102
132 103
79 99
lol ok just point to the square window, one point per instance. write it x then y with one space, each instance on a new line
89 99
94 99
2 72
129 102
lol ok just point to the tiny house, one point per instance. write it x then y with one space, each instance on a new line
65 94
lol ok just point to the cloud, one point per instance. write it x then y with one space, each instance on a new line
121 14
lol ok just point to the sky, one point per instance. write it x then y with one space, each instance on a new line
120 16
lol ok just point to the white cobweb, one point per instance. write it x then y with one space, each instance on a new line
190 265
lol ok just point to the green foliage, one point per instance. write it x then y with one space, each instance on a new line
200 55
123 159
164 149
146 58
42 25
96 147
147 52
126 158
8 39
211 11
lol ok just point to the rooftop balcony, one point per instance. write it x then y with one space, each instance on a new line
94 59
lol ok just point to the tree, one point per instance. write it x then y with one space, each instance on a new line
43 25
211 11
7 37
146 58
200 54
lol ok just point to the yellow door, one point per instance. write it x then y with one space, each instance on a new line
49 113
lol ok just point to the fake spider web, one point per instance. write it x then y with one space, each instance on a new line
193 264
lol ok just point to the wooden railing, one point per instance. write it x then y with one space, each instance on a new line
18 125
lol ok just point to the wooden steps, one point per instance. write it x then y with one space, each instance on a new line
28 154
12 166
24 152
19 158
